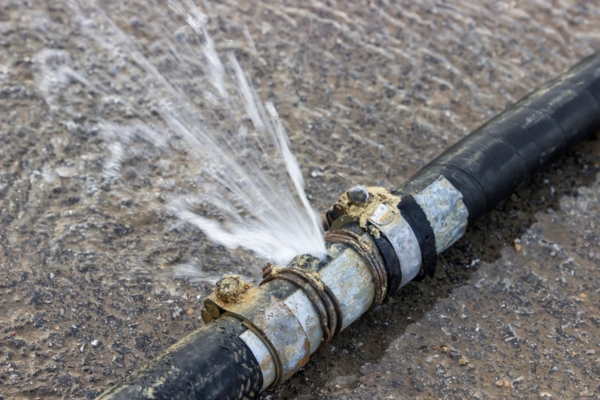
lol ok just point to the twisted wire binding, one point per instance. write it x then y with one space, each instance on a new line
325 302
378 270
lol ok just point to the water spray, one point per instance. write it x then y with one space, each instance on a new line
378 241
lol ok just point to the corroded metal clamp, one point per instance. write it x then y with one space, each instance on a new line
359 204
320 295
418 226
267 317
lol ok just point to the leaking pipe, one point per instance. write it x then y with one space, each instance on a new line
378 241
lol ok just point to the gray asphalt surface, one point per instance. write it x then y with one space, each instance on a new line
369 92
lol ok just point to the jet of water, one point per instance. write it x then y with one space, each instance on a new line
248 187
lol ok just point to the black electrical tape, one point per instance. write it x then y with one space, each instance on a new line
494 160
211 363
412 212
392 264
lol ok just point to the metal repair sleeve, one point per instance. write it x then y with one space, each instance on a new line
210 363
224 360
493 161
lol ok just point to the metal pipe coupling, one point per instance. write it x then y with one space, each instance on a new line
267 317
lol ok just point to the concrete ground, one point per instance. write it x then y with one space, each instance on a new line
370 91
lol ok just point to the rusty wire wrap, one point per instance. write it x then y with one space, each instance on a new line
325 302
378 270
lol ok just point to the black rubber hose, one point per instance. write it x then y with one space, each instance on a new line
486 166
210 363
493 161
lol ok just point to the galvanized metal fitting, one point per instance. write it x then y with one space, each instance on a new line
443 210
267 317
320 295
389 222
367 252
351 285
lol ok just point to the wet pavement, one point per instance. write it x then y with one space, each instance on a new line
369 92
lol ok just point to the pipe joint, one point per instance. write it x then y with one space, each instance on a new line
417 226
320 295
267 317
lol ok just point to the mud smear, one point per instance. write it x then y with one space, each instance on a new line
369 92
